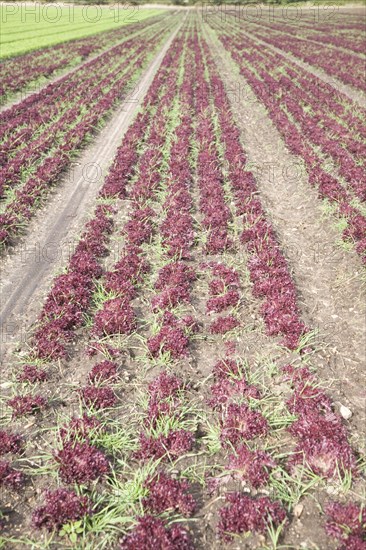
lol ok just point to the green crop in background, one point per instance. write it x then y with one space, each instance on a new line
25 27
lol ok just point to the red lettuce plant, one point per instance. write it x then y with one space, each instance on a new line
223 288
228 276
322 438
171 297
127 273
139 228
61 506
307 398
152 533
326 456
132 266
9 476
32 374
216 287
316 426
175 274
347 524
26 404
171 340
98 398
70 296
174 282
224 301
81 462
218 241
175 444
114 282
165 385
226 390
106 370
10 443
166 493
51 340
247 514
241 423
223 324
251 465
83 262
116 317
190 324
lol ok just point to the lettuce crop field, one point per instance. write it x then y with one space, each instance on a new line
183 252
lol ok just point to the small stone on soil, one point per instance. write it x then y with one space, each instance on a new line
298 510
345 412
